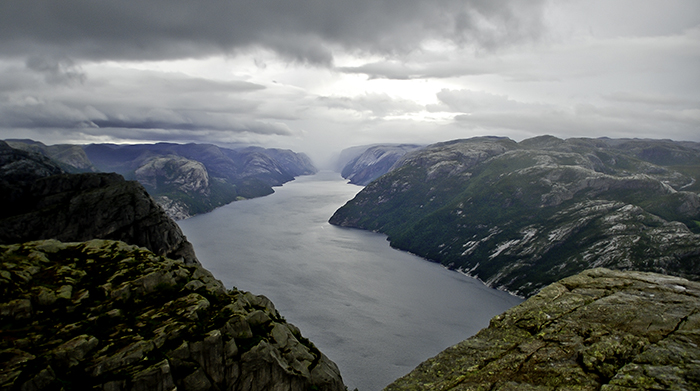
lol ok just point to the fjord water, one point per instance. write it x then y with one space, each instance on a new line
375 311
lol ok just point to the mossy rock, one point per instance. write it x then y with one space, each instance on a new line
105 314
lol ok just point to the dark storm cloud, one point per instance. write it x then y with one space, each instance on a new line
305 31
51 95
56 70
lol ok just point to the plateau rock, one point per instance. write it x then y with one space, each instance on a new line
520 216
106 315
598 330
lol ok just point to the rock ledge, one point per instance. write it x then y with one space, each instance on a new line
597 330
106 315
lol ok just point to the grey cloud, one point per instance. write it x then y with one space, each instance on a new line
51 114
588 120
469 101
651 99
139 100
306 31
378 104
400 70
630 114
56 70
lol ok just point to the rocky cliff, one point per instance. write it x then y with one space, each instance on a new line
110 316
185 179
373 162
71 158
522 215
195 178
598 330
40 202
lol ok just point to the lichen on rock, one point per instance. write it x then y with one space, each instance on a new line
107 315
597 330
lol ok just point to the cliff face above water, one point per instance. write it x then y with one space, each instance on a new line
373 162
41 202
106 315
520 216
598 330
185 179
188 179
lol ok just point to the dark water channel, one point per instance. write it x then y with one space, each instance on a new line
375 311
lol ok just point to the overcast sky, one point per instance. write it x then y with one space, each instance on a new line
317 76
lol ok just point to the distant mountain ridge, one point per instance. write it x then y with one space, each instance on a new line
362 165
185 179
522 215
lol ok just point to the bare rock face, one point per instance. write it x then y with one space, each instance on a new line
598 330
187 176
40 202
106 315
79 207
21 167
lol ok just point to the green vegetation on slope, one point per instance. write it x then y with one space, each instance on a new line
520 216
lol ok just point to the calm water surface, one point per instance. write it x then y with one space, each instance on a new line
375 311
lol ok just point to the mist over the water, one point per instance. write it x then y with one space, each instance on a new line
375 311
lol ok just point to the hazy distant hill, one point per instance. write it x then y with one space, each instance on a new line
522 215
185 179
362 165
71 158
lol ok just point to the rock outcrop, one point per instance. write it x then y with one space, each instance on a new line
178 185
39 202
520 216
373 162
598 330
106 315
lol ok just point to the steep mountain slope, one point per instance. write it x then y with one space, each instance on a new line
522 215
373 162
106 315
598 330
220 175
71 158
39 202
18 169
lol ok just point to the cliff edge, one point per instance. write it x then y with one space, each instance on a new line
42 202
106 315
598 330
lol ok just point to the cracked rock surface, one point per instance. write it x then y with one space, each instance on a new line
106 315
597 330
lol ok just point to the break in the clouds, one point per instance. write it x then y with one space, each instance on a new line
317 76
